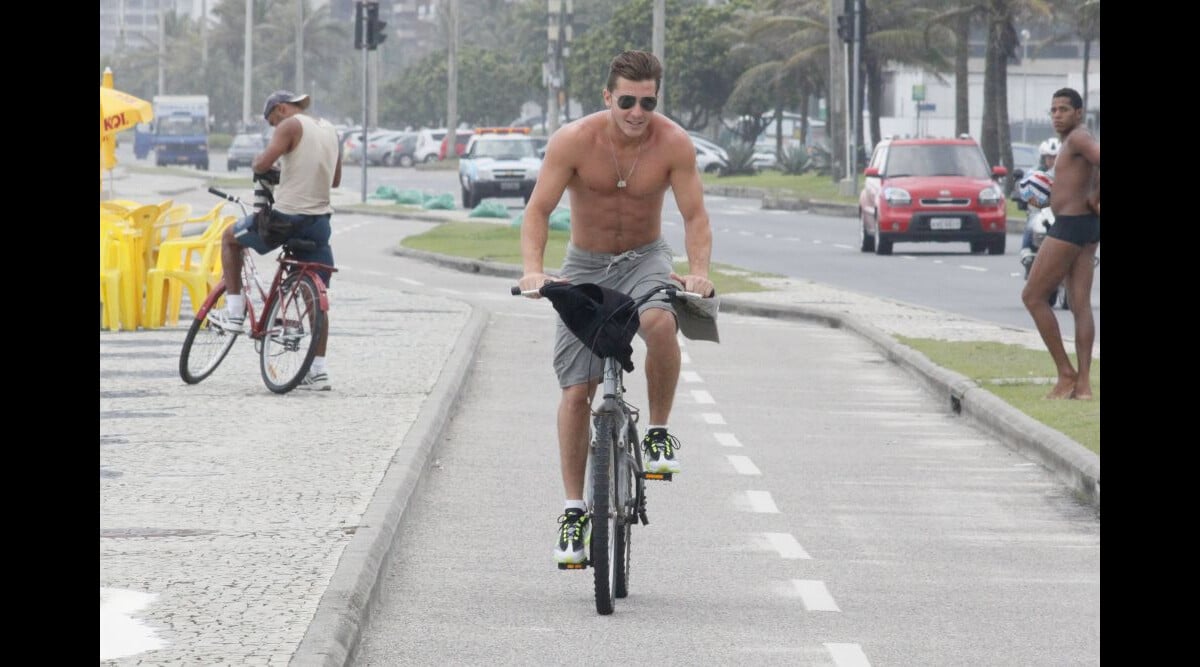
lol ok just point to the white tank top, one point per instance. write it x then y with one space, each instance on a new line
306 173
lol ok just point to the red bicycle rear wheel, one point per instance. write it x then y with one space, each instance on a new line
292 328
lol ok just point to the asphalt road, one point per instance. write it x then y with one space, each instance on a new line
829 513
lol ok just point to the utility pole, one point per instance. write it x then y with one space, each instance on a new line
452 85
299 47
837 90
855 87
659 30
204 35
368 35
162 49
247 79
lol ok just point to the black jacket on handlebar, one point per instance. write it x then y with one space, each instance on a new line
604 319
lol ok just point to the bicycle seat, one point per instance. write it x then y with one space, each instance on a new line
293 246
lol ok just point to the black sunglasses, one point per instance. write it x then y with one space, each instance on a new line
648 103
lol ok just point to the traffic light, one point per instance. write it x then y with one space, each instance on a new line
375 33
358 25
845 28
845 22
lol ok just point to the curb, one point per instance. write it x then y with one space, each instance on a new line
1071 463
333 634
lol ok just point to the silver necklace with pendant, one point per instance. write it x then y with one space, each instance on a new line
622 182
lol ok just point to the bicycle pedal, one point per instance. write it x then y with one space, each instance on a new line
572 566
664 476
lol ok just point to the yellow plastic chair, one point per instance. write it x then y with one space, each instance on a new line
110 274
119 247
191 264
169 227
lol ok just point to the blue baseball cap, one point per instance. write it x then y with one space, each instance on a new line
280 96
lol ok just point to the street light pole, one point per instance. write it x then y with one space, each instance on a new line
1024 83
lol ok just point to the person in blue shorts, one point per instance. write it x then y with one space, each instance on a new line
1069 250
310 159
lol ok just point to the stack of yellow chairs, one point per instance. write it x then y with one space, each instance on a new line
191 263
119 299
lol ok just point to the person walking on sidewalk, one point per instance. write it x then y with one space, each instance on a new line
1069 249
617 165
310 158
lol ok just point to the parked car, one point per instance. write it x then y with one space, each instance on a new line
352 145
429 142
460 144
401 152
243 149
710 158
498 163
938 190
384 144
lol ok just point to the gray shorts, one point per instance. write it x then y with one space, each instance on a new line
633 272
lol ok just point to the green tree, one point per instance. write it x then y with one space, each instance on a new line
491 91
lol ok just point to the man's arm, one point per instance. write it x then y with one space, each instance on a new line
337 171
552 181
287 135
689 196
1091 151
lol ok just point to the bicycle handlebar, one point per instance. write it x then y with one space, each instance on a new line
671 291
228 197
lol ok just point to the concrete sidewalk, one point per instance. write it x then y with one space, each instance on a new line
239 526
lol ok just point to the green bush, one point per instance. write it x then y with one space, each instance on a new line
741 161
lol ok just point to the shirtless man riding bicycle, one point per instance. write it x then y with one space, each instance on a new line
617 164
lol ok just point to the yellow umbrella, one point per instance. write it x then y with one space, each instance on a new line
118 112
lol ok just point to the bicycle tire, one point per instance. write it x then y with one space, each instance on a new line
291 330
212 338
629 490
605 502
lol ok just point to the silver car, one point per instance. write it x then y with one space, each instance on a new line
243 149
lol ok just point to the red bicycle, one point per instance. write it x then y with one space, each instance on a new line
285 326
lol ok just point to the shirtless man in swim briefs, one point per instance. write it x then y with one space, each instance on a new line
1070 247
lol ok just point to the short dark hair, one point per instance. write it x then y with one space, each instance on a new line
1072 95
635 66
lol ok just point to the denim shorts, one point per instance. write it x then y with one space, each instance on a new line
312 227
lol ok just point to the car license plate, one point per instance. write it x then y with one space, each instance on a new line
509 186
945 223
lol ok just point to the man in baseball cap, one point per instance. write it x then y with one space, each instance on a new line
284 97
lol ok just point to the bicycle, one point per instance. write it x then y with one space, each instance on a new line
293 318
615 479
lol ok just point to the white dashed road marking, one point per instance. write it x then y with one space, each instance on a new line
743 464
847 655
690 376
407 281
843 246
814 595
787 546
712 418
701 396
972 268
761 501
727 439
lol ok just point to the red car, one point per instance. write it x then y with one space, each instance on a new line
460 145
938 190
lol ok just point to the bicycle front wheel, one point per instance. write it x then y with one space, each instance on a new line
205 346
628 487
606 522
292 329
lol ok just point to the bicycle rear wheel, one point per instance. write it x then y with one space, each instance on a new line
606 501
205 346
291 330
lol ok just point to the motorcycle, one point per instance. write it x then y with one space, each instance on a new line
1039 220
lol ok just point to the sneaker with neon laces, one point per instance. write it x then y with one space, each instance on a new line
574 537
227 321
658 451
315 382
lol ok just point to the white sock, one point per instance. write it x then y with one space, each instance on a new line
318 365
653 426
235 304
575 505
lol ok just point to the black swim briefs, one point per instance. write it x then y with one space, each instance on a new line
1078 229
